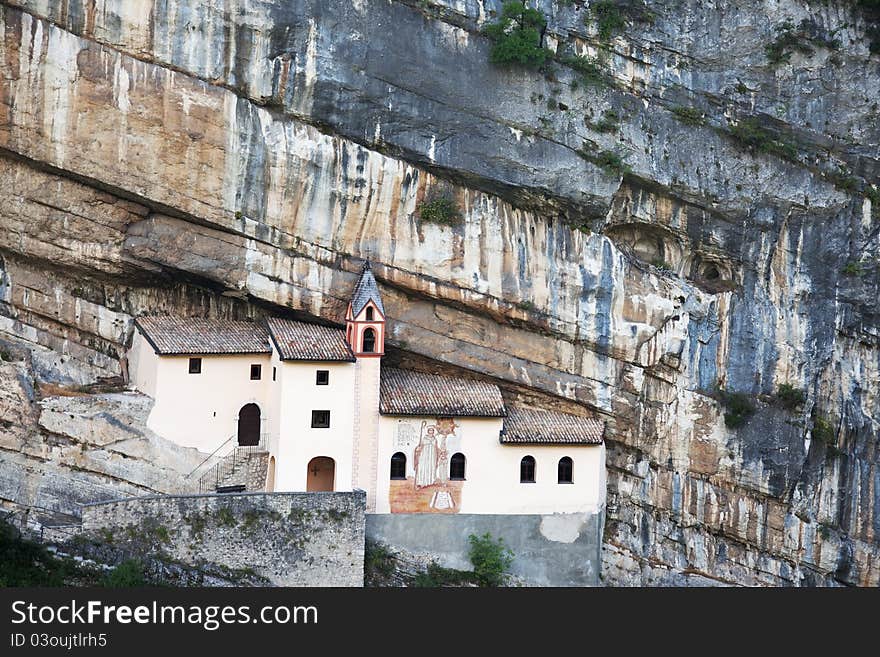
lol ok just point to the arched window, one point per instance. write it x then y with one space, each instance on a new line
456 466
527 470
566 470
398 466
369 313
369 341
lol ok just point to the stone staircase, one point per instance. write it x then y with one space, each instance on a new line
243 469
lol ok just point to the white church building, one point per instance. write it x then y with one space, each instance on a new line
314 405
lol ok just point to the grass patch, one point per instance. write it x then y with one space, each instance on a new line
225 518
378 560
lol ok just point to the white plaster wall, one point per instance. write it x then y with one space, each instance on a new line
201 410
492 482
142 362
298 442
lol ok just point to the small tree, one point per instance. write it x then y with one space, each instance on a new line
517 36
490 558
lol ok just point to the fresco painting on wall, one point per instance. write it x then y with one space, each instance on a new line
428 446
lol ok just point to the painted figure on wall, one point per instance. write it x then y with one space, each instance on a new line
425 457
428 446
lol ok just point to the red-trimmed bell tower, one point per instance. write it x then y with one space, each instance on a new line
365 332
365 318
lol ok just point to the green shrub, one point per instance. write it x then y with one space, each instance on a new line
439 210
823 431
852 268
436 576
378 559
609 19
612 162
738 408
688 115
750 133
790 397
591 72
126 575
609 122
803 39
660 263
25 563
491 559
517 36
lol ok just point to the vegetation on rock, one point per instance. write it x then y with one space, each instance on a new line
688 115
440 209
803 39
517 37
790 397
491 559
751 134
738 408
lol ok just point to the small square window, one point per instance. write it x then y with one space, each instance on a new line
322 378
256 372
320 419
195 365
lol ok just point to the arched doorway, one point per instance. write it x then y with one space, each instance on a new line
321 474
249 425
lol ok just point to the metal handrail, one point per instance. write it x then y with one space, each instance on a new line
212 454
228 465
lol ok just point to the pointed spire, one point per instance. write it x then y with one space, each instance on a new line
366 290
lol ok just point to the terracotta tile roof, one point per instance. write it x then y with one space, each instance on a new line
403 392
366 290
302 341
532 426
190 335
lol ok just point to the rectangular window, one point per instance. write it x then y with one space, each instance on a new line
320 419
256 372
322 378
273 373
195 365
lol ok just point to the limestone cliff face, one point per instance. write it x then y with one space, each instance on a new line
238 158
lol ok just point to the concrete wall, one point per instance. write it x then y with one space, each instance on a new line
492 470
549 550
290 539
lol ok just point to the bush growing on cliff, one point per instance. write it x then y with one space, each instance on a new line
440 209
517 37
790 397
750 133
128 574
491 559
738 408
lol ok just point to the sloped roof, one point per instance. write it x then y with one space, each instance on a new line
404 392
532 426
190 335
302 341
366 290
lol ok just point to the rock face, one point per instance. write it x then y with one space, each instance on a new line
235 159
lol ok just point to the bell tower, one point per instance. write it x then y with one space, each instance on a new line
365 318
365 332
